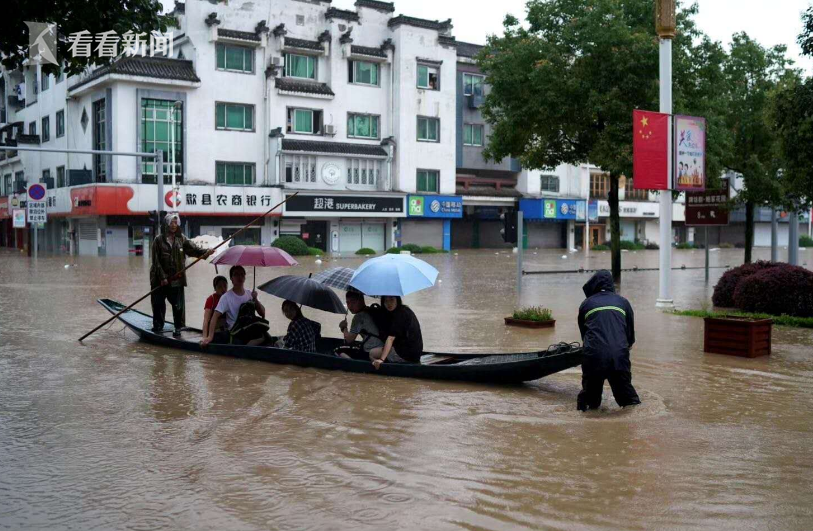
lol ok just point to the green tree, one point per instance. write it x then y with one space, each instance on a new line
71 16
752 72
792 119
564 88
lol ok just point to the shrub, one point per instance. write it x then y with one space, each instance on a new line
724 290
685 245
394 250
366 251
533 313
292 245
600 247
805 241
432 250
652 246
631 246
740 245
780 290
412 248
315 251
726 245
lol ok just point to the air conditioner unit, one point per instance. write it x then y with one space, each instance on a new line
330 129
276 61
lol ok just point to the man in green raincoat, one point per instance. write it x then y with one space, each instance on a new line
168 254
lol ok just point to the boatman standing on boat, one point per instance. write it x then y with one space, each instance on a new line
168 254
607 325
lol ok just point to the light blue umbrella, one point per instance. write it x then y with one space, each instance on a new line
393 274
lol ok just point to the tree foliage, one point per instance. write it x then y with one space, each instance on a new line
71 16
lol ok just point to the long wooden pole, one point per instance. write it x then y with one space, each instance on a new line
179 273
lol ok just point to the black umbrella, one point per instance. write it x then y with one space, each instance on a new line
304 291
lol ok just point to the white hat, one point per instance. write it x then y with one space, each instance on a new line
172 215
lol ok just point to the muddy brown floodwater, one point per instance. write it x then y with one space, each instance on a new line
121 434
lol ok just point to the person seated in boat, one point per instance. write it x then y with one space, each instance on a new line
363 324
302 332
404 342
221 286
231 305
607 326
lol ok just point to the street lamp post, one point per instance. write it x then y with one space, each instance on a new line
665 24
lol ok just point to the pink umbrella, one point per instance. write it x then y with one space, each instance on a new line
255 256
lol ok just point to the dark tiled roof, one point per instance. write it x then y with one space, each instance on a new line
366 50
155 67
479 190
235 34
307 87
447 41
419 23
467 49
342 14
387 7
341 148
303 44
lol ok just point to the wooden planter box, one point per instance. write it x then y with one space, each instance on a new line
510 321
737 336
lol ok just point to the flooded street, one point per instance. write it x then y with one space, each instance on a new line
115 433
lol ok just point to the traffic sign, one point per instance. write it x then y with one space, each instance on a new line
37 211
36 192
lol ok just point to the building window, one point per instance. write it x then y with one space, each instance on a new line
235 58
303 66
300 169
7 185
46 128
472 135
364 73
46 82
631 194
473 84
46 179
60 123
157 119
239 173
428 77
429 129
32 128
60 176
304 121
100 139
428 181
234 117
362 126
549 183
363 172
19 182
599 185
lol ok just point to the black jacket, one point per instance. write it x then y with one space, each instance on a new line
607 325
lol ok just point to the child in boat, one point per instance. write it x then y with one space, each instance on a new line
363 324
221 285
607 326
302 332
229 306
404 343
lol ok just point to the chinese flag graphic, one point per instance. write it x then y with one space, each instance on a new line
650 149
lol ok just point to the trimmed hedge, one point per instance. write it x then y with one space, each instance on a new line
315 251
724 290
652 246
431 250
600 247
631 246
394 250
780 290
726 245
365 251
805 241
292 245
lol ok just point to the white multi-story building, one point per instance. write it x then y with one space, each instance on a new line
257 100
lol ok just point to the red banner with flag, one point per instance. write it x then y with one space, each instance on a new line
650 150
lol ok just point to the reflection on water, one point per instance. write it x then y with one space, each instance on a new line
116 433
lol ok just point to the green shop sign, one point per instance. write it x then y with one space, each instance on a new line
416 205
550 208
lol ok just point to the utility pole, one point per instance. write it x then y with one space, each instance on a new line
666 24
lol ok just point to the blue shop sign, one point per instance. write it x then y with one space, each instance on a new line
435 206
553 209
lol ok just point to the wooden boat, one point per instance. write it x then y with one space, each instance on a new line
492 368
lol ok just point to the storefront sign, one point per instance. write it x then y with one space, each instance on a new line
592 210
435 206
37 212
690 153
550 209
18 217
630 209
553 209
340 204
707 208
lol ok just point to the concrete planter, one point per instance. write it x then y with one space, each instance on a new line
737 336
510 321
